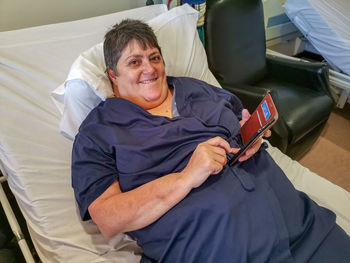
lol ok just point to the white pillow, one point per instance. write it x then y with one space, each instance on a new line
87 84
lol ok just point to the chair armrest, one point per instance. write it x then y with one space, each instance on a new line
250 96
312 75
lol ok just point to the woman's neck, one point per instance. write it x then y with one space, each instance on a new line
164 109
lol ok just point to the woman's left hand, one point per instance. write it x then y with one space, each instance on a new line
256 146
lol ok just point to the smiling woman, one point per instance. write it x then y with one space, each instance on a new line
140 77
163 177
137 70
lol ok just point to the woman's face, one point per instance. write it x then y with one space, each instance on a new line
140 76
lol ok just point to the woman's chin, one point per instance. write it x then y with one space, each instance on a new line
153 100
152 96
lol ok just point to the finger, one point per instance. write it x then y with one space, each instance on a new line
212 154
256 146
218 167
251 151
221 160
245 116
218 150
217 154
246 155
268 133
218 141
235 150
243 158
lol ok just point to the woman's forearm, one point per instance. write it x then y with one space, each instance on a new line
115 212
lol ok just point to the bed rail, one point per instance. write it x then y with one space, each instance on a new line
16 229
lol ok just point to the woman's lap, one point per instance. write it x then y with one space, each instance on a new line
335 248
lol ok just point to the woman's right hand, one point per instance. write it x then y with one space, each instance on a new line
208 158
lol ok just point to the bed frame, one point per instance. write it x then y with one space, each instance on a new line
15 227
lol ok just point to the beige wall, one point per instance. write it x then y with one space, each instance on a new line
16 14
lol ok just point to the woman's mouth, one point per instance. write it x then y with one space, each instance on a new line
148 81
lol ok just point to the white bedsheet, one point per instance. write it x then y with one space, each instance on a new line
34 155
326 24
36 158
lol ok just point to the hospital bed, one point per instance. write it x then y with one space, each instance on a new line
317 26
326 25
44 97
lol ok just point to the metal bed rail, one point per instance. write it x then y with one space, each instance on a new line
16 229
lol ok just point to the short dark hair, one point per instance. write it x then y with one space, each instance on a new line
121 34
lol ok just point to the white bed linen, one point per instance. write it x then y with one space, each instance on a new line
36 157
317 188
326 24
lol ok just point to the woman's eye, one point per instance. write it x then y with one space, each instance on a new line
133 62
156 58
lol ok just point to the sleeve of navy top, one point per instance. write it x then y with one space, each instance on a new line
93 171
235 102
199 86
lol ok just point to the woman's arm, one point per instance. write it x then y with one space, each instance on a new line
242 114
115 212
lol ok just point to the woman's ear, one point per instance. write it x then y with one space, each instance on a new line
111 75
113 79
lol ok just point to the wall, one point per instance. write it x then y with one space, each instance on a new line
15 14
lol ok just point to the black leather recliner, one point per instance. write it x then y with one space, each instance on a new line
236 49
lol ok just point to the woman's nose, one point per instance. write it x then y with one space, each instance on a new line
148 67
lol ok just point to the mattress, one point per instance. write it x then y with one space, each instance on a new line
326 24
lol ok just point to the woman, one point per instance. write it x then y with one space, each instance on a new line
152 162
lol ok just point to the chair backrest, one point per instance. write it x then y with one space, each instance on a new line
235 40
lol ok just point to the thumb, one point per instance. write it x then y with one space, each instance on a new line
245 116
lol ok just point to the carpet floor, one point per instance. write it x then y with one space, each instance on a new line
330 155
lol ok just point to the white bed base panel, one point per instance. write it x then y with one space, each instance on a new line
278 27
341 86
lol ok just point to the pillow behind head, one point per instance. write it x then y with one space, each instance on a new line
87 83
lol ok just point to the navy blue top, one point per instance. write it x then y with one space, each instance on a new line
250 212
